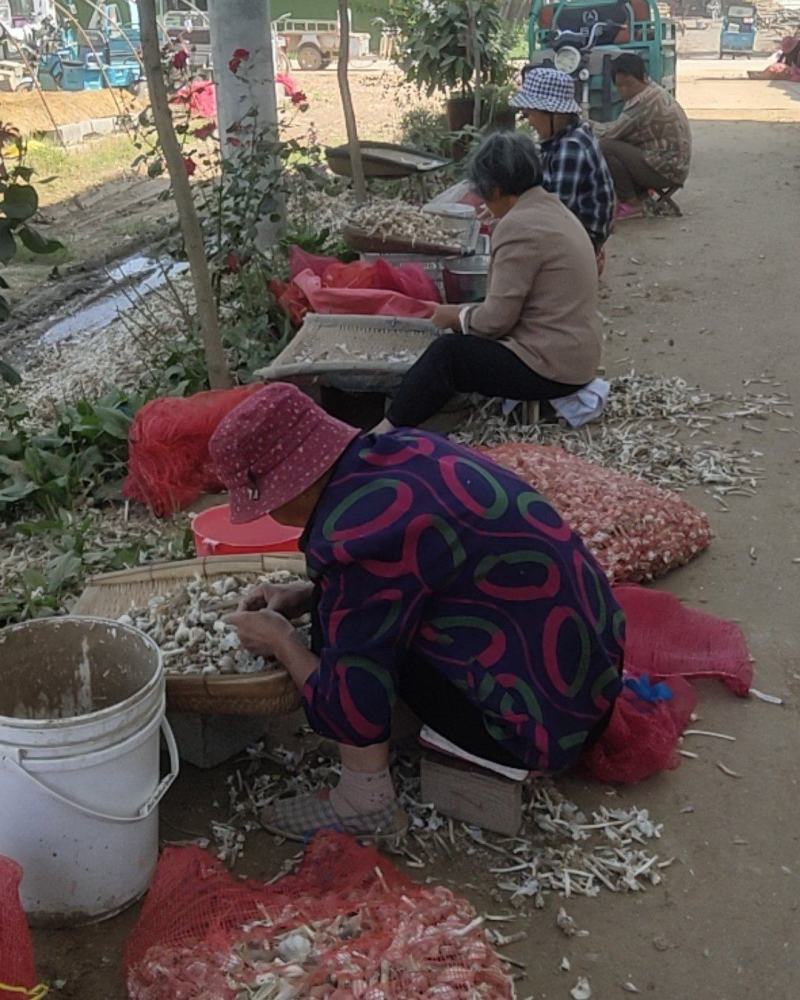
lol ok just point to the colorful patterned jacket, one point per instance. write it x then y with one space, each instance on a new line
421 546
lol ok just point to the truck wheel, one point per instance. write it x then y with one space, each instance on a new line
309 57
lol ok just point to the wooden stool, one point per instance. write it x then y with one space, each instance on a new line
531 412
663 203
471 794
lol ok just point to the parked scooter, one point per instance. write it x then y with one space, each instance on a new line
573 49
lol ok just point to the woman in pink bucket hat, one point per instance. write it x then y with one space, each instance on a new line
435 577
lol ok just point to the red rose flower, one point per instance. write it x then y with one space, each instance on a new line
237 59
204 131
232 262
298 97
190 165
180 59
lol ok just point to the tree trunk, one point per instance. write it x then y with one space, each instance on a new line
218 375
356 161
473 10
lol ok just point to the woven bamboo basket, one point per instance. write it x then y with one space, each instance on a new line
465 240
112 594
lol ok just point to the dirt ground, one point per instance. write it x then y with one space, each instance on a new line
713 298
36 112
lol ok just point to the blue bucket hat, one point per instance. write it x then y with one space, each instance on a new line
545 89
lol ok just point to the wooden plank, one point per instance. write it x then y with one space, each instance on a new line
471 794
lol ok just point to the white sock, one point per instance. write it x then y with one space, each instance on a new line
358 793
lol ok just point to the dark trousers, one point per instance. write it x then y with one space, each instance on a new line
436 702
440 705
456 363
633 176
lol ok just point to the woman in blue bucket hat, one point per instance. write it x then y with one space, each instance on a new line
574 167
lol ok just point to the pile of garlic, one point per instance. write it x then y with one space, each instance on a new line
188 626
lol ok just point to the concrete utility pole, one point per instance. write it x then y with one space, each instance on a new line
247 96
243 24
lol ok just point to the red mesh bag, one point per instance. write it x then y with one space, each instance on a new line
666 643
376 935
642 737
168 461
665 640
290 299
368 302
356 274
408 279
16 951
301 260
326 285
636 531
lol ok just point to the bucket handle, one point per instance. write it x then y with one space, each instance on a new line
144 811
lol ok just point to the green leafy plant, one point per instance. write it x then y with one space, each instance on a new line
425 129
19 202
438 42
241 185
67 547
82 454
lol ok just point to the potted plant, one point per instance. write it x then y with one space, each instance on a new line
496 110
453 47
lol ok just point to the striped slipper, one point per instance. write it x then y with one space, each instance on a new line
300 817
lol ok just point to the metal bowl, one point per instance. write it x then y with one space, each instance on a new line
466 279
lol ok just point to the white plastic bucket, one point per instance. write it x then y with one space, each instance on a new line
81 708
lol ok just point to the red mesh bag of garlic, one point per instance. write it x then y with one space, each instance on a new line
346 926
636 531
17 974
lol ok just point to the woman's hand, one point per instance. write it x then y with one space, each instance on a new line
446 317
266 633
288 599
262 633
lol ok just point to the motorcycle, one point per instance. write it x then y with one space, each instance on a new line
572 53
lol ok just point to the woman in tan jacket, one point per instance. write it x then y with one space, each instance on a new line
536 336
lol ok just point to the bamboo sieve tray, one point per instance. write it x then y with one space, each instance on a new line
353 353
113 594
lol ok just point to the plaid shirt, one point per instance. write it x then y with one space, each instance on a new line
576 170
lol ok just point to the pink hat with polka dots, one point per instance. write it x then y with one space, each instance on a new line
272 447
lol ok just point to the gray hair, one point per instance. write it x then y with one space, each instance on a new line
505 163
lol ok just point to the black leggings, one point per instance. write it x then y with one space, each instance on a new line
456 363
437 702
440 705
